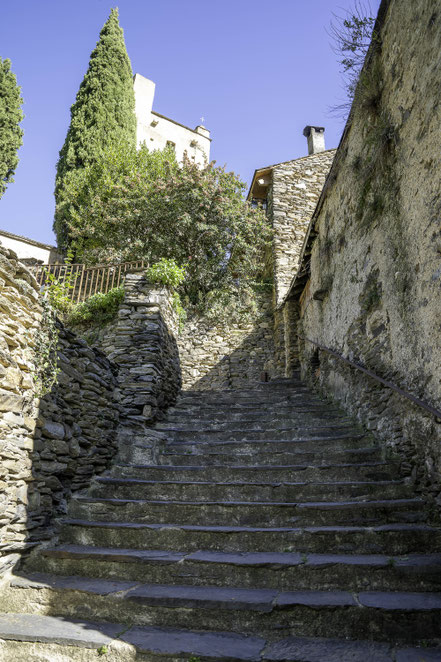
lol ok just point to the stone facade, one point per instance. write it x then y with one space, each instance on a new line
292 197
369 283
51 445
289 191
227 355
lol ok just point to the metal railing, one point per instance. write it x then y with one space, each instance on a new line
416 401
81 281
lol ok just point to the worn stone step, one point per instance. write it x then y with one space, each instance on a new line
212 416
249 434
236 410
34 637
255 513
260 457
246 569
106 486
301 422
251 473
400 616
389 539
221 400
238 448
298 453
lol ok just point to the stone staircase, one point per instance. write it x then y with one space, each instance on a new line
270 528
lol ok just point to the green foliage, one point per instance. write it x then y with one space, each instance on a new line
131 205
59 290
166 272
194 659
10 117
179 309
102 115
98 309
46 369
102 650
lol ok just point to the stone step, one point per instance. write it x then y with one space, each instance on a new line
398 616
224 400
250 409
238 448
242 513
252 473
245 569
265 390
213 416
248 434
106 486
66 639
301 422
390 539
260 457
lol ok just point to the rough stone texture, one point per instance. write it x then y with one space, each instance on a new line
220 356
52 445
292 197
369 282
143 344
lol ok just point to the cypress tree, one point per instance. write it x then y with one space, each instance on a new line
103 113
10 117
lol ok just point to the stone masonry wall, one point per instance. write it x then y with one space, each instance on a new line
374 287
292 197
227 355
142 342
52 445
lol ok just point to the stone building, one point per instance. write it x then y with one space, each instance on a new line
158 131
289 192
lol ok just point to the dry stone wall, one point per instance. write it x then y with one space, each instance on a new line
373 259
51 445
156 358
142 341
227 355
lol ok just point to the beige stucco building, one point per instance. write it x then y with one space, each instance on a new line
29 250
158 131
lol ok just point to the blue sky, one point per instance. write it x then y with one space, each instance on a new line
257 71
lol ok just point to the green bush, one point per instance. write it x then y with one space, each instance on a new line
166 272
134 204
98 310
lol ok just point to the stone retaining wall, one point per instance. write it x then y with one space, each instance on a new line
142 342
227 355
51 445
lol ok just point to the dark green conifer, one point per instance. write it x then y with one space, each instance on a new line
102 115
10 117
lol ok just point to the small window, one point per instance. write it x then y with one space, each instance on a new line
171 145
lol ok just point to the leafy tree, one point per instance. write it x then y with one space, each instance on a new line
139 204
10 117
102 114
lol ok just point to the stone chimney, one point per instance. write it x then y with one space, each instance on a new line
316 138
